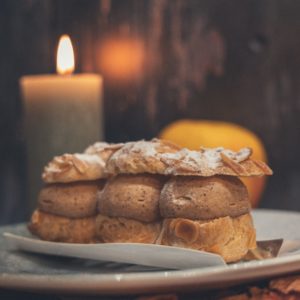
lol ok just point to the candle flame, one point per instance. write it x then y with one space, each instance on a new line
65 56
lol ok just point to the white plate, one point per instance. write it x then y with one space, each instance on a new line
140 254
67 275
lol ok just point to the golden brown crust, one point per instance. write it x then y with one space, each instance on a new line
74 167
123 230
71 200
60 229
132 196
89 165
160 157
203 198
229 237
140 157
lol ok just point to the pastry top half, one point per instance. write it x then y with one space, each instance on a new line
162 157
102 160
89 165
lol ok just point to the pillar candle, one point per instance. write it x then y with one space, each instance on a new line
62 114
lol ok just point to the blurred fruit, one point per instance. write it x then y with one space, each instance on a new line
193 134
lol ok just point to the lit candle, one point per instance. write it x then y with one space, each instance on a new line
63 114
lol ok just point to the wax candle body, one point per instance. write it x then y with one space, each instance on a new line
62 114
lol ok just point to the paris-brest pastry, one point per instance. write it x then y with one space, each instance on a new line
160 193
153 192
67 204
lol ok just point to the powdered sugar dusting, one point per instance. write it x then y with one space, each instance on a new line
212 157
156 156
206 158
147 149
144 147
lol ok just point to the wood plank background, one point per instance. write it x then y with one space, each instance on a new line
231 60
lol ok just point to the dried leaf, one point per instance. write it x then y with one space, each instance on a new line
286 285
265 249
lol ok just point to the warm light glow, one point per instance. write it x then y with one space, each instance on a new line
65 56
122 58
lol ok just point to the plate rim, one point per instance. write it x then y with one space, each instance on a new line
135 282
130 283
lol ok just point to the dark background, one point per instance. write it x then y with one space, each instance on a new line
232 60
